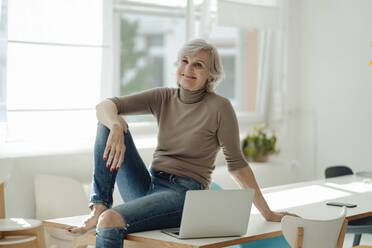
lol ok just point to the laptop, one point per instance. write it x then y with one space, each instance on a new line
214 213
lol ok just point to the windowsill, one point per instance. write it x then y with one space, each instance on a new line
35 149
145 144
144 137
38 149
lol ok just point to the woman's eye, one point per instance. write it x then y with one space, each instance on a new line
184 61
198 65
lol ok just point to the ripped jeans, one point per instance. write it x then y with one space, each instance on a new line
153 200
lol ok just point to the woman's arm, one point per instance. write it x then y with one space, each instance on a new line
107 114
246 179
109 111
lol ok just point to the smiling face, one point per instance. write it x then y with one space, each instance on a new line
193 71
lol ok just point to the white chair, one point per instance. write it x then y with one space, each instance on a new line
60 197
307 233
19 232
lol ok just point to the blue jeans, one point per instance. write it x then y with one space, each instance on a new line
153 200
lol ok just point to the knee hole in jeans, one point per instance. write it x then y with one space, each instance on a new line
111 218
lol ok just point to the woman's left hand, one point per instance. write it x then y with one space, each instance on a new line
277 216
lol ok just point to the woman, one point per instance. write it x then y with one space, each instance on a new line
194 122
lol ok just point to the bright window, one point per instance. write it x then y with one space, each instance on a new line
149 37
3 43
152 32
53 69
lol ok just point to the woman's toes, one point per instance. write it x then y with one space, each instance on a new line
78 230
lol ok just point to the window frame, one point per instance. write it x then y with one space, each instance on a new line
110 73
244 118
3 62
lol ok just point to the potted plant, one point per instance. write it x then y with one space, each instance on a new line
258 145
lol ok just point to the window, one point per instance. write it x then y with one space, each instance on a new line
3 43
150 36
245 47
53 69
143 50
152 32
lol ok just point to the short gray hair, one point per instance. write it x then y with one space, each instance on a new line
215 64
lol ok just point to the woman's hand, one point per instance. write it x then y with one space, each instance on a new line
277 216
115 147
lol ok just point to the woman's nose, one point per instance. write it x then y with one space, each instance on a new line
188 68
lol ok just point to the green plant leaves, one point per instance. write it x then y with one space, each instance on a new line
258 144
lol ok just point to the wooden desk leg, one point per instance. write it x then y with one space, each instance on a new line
77 244
134 244
88 239
2 201
84 240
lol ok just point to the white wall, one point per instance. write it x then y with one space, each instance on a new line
334 82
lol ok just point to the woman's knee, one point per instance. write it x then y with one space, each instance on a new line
110 218
102 129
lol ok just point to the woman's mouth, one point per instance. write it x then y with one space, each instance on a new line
188 77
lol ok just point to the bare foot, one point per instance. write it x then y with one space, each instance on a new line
90 222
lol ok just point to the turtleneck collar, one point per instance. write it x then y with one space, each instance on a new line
191 96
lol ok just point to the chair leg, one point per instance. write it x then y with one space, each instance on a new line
341 236
31 244
37 231
299 237
357 238
40 236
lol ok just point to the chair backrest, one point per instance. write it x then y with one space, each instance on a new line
337 170
57 197
316 233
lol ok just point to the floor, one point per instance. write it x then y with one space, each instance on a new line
366 240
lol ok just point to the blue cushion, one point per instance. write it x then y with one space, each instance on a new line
277 242
215 186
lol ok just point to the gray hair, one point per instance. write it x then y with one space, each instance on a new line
215 64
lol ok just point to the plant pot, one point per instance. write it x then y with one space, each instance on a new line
262 159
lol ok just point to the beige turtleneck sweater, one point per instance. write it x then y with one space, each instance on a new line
193 125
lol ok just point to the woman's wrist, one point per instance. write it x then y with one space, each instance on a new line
119 124
116 125
268 215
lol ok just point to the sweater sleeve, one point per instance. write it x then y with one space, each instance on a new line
228 137
145 102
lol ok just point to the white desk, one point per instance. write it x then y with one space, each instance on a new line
307 199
